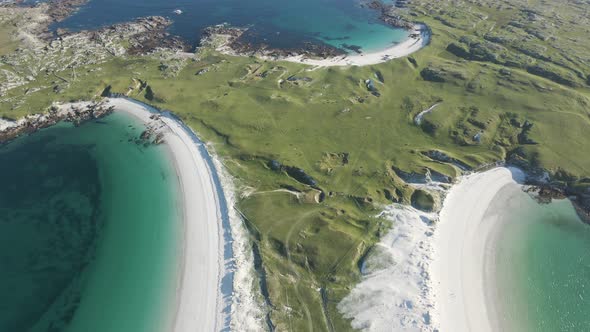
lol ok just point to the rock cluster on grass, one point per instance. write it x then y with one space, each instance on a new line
242 41
43 55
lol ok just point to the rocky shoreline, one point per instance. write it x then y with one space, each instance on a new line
242 41
545 186
74 113
576 191
41 51
542 184
59 10
238 41
389 13
144 34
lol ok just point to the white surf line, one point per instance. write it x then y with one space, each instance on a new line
216 292
5 124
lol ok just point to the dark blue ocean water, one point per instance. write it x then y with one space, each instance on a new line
278 23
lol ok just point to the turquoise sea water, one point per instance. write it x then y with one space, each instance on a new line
544 267
89 230
278 23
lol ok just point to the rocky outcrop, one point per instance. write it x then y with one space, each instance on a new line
247 42
300 175
75 113
545 193
577 191
153 133
144 35
389 14
296 173
429 175
61 9
580 190
546 185
444 158
46 57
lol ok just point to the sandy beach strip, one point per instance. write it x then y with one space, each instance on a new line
463 242
200 302
405 48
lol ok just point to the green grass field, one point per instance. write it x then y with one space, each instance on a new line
348 140
7 45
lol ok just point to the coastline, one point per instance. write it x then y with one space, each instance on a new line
435 272
201 268
216 271
488 242
219 293
463 242
148 33
399 50
419 37
198 298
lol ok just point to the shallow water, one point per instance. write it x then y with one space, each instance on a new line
89 230
544 267
280 24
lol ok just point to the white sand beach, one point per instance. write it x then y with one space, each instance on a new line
426 275
206 293
464 239
405 48
216 290
199 296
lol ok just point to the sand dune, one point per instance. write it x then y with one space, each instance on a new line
432 276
